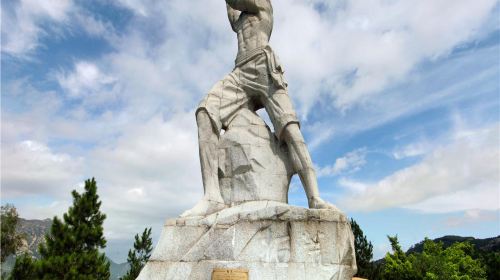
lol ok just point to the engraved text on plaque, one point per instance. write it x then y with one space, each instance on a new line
229 274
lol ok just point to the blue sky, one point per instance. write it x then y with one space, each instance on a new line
399 104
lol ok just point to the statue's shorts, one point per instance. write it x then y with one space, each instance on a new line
256 82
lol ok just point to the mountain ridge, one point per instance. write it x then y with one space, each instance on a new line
34 232
491 244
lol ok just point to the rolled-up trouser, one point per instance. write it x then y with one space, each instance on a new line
257 81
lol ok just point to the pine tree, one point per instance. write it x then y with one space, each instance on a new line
364 251
72 247
24 268
138 257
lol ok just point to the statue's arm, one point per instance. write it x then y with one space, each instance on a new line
233 16
249 6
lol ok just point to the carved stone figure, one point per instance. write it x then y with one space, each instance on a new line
244 221
257 81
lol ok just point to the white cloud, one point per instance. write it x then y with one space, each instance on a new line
348 53
55 9
149 173
88 82
463 79
41 211
31 168
140 7
94 26
26 119
352 186
472 216
484 196
22 23
26 22
351 162
411 150
414 149
354 50
461 175
321 132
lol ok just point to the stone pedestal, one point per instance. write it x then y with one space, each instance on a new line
272 240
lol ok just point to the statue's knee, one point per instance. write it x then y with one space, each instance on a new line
202 117
291 132
206 130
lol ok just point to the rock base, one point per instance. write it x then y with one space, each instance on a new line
272 240
253 164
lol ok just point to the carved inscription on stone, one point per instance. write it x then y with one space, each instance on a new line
229 274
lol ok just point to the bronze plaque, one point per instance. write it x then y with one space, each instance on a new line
229 274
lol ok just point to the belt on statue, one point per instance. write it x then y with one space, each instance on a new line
243 58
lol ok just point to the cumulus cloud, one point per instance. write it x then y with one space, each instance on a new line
151 172
351 162
42 211
94 26
461 175
366 45
86 81
25 23
321 132
31 168
344 53
140 7
472 216
352 186
22 23
411 150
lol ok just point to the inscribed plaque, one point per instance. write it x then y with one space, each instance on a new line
229 274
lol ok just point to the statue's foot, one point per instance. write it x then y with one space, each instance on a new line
318 203
204 208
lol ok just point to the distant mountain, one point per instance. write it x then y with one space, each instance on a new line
491 244
486 245
34 234
117 269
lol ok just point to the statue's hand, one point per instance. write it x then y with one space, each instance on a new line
318 203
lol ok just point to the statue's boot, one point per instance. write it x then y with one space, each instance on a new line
318 203
204 207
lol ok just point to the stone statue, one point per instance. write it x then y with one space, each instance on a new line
256 82
244 226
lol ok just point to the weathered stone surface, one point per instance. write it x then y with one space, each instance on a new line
253 164
272 240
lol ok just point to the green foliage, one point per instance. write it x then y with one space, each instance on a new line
398 266
138 257
24 268
492 262
72 247
434 262
364 251
71 250
10 240
377 270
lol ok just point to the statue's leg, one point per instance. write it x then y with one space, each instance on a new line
207 141
302 164
207 138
